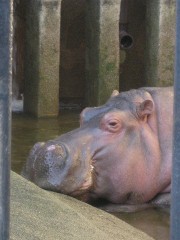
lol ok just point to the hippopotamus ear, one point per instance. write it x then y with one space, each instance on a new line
144 109
114 93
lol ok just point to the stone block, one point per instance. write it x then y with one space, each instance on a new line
160 42
102 59
41 93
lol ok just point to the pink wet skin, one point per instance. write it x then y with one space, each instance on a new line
122 151
131 168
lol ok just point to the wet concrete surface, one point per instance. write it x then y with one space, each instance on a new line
26 131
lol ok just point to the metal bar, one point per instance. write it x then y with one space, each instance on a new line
175 204
5 112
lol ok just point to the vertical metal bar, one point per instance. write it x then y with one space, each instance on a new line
5 113
175 205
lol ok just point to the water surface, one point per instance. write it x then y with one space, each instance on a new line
26 131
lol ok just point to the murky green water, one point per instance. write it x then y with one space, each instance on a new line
26 131
154 222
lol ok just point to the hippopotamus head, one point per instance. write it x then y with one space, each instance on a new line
114 154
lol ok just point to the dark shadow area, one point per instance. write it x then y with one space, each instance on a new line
132 59
18 49
72 54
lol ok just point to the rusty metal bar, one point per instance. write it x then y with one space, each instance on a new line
175 204
5 113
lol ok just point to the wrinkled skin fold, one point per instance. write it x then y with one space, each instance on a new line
122 151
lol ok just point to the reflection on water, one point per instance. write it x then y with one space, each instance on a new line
26 131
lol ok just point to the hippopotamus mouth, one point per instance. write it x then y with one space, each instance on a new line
84 189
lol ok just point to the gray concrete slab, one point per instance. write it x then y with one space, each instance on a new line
39 214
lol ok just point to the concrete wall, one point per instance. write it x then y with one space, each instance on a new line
160 35
89 64
41 89
102 56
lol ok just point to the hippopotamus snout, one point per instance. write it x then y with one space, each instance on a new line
50 158
58 167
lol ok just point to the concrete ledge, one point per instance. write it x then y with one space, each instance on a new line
39 214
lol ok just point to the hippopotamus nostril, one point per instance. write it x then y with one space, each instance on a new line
56 155
58 149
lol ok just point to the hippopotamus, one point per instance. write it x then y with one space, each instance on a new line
121 152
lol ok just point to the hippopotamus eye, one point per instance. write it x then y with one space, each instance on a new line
111 124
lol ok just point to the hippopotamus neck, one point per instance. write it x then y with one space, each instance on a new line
162 124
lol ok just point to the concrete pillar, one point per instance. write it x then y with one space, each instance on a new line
41 93
160 42
102 59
